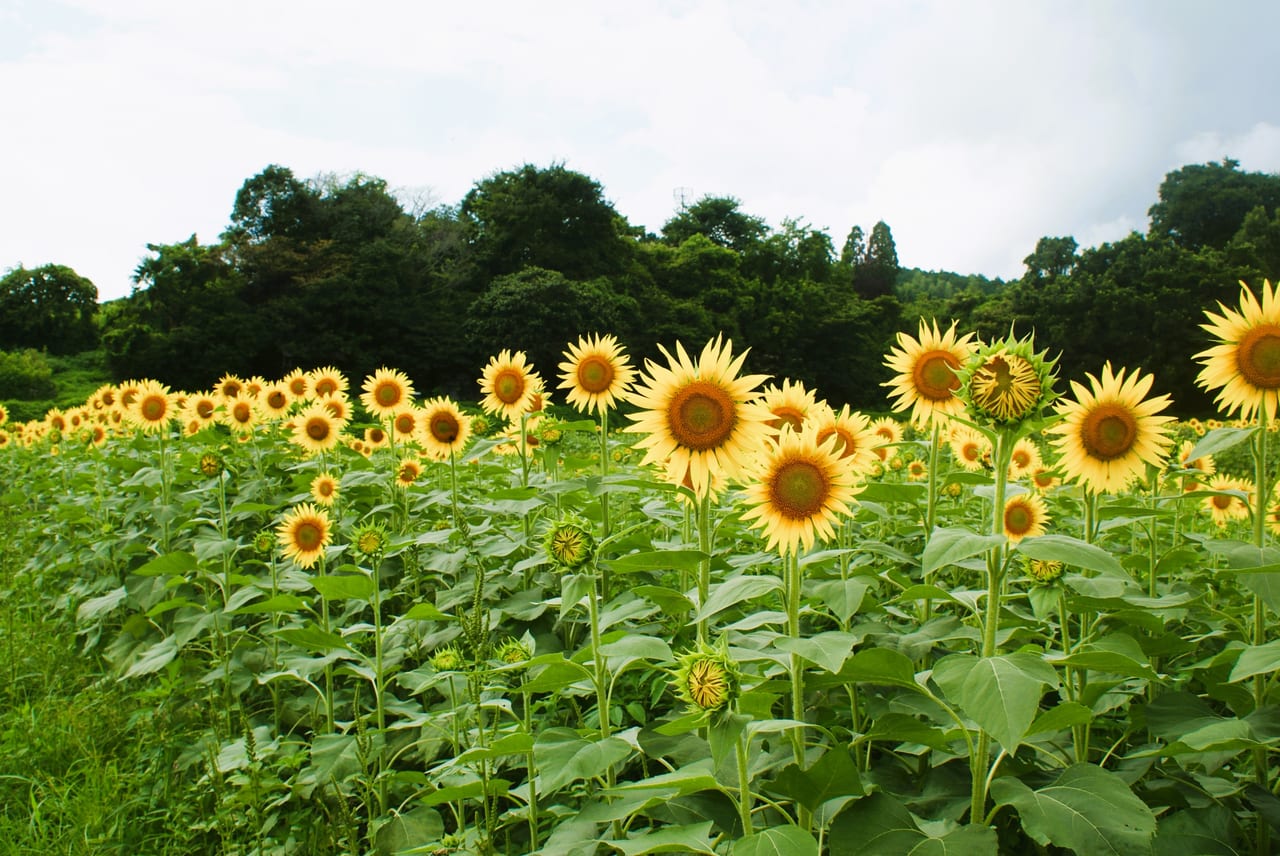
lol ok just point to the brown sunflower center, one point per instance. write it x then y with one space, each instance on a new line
1006 386
1019 519
595 374
298 386
508 386
308 535
387 393
153 408
846 445
326 488
799 489
318 429
1258 356
1109 432
376 435
934 375
405 423
1222 501
444 428
786 415
241 412
204 409
277 400
231 389
702 416
326 387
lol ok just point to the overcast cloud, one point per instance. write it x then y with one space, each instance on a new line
972 129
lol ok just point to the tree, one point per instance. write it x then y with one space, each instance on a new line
878 273
273 204
720 219
1202 205
855 248
551 218
51 307
1053 257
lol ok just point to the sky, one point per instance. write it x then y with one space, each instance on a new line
971 128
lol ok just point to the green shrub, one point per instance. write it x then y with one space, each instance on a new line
26 375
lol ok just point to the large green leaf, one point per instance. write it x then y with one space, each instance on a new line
948 546
1087 810
563 756
175 564
1219 439
657 560
1002 694
1071 552
1256 660
409 830
880 666
1117 653
842 597
356 586
833 775
777 841
735 591
692 838
829 650
879 825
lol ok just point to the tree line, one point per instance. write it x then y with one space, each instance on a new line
335 271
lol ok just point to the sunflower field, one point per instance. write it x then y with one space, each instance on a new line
684 609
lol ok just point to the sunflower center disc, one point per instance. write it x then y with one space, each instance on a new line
1109 432
701 416
444 429
404 423
276 400
845 445
325 388
799 490
934 376
241 413
387 394
595 375
205 409
317 429
153 409
308 536
508 386
1258 356
1221 501
1017 519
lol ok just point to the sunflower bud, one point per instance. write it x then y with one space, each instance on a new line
211 464
1006 382
569 545
370 540
513 652
706 678
1044 571
447 659
264 542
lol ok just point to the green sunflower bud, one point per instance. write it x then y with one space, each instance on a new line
706 678
569 545
1006 382
447 659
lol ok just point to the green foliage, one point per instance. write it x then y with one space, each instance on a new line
26 375
51 308
720 220
1204 205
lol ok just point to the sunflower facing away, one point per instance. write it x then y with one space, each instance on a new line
799 488
508 383
1245 364
443 429
1024 517
304 533
384 392
1109 433
597 373
698 418
927 368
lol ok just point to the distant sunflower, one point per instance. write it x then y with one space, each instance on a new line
1192 470
1273 513
1023 458
799 488
202 406
1109 433
443 429
597 373
917 471
229 386
253 386
338 405
4 415
327 382
855 441
698 418
275 400
1025 516
1044 478
1226 507
315 429
304 533
927 368
386 391
970 449
887 431
152 409
508 384
376 437
240 414
97 436
789 404
408 472
1245 364
404 422
298 384
324 489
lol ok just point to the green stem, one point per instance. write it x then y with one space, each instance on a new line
532 771
604 492
379 685
1262 494
704 564
745 800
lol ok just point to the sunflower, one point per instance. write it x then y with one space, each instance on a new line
386 391
275 400
304 533
1245 364
324 488
1006 382
376 437
443 429
1273 513
1225 507
407 472
971 450
152 408
338 405
698 418
1024 517
1109 433
790 404
855 441
128 392
202 406
1023 458
298 384
597 373
326 382
229 386
315 429
917 471
799 488
404 422
707 679
508 384
96 436
253 386
1044 478
887 431
4 415
240 414
927 368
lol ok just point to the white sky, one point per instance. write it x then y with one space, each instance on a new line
971 128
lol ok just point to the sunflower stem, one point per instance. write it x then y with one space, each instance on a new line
704 564
604 492
1262 493
745 798
931 509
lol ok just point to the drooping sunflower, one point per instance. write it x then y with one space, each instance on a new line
927 369
385 392
698 418
1006 382
1109 433
1245 364
327 381
443 429
1225 507
855 441
789 404
508 384
597 373
799 488
152 409
304 533
324 489
971 450
315 429
1025 516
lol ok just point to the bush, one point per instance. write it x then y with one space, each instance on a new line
26 375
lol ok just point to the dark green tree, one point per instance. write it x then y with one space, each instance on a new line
1203 205
1053 257
720 219
878 273
51 307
